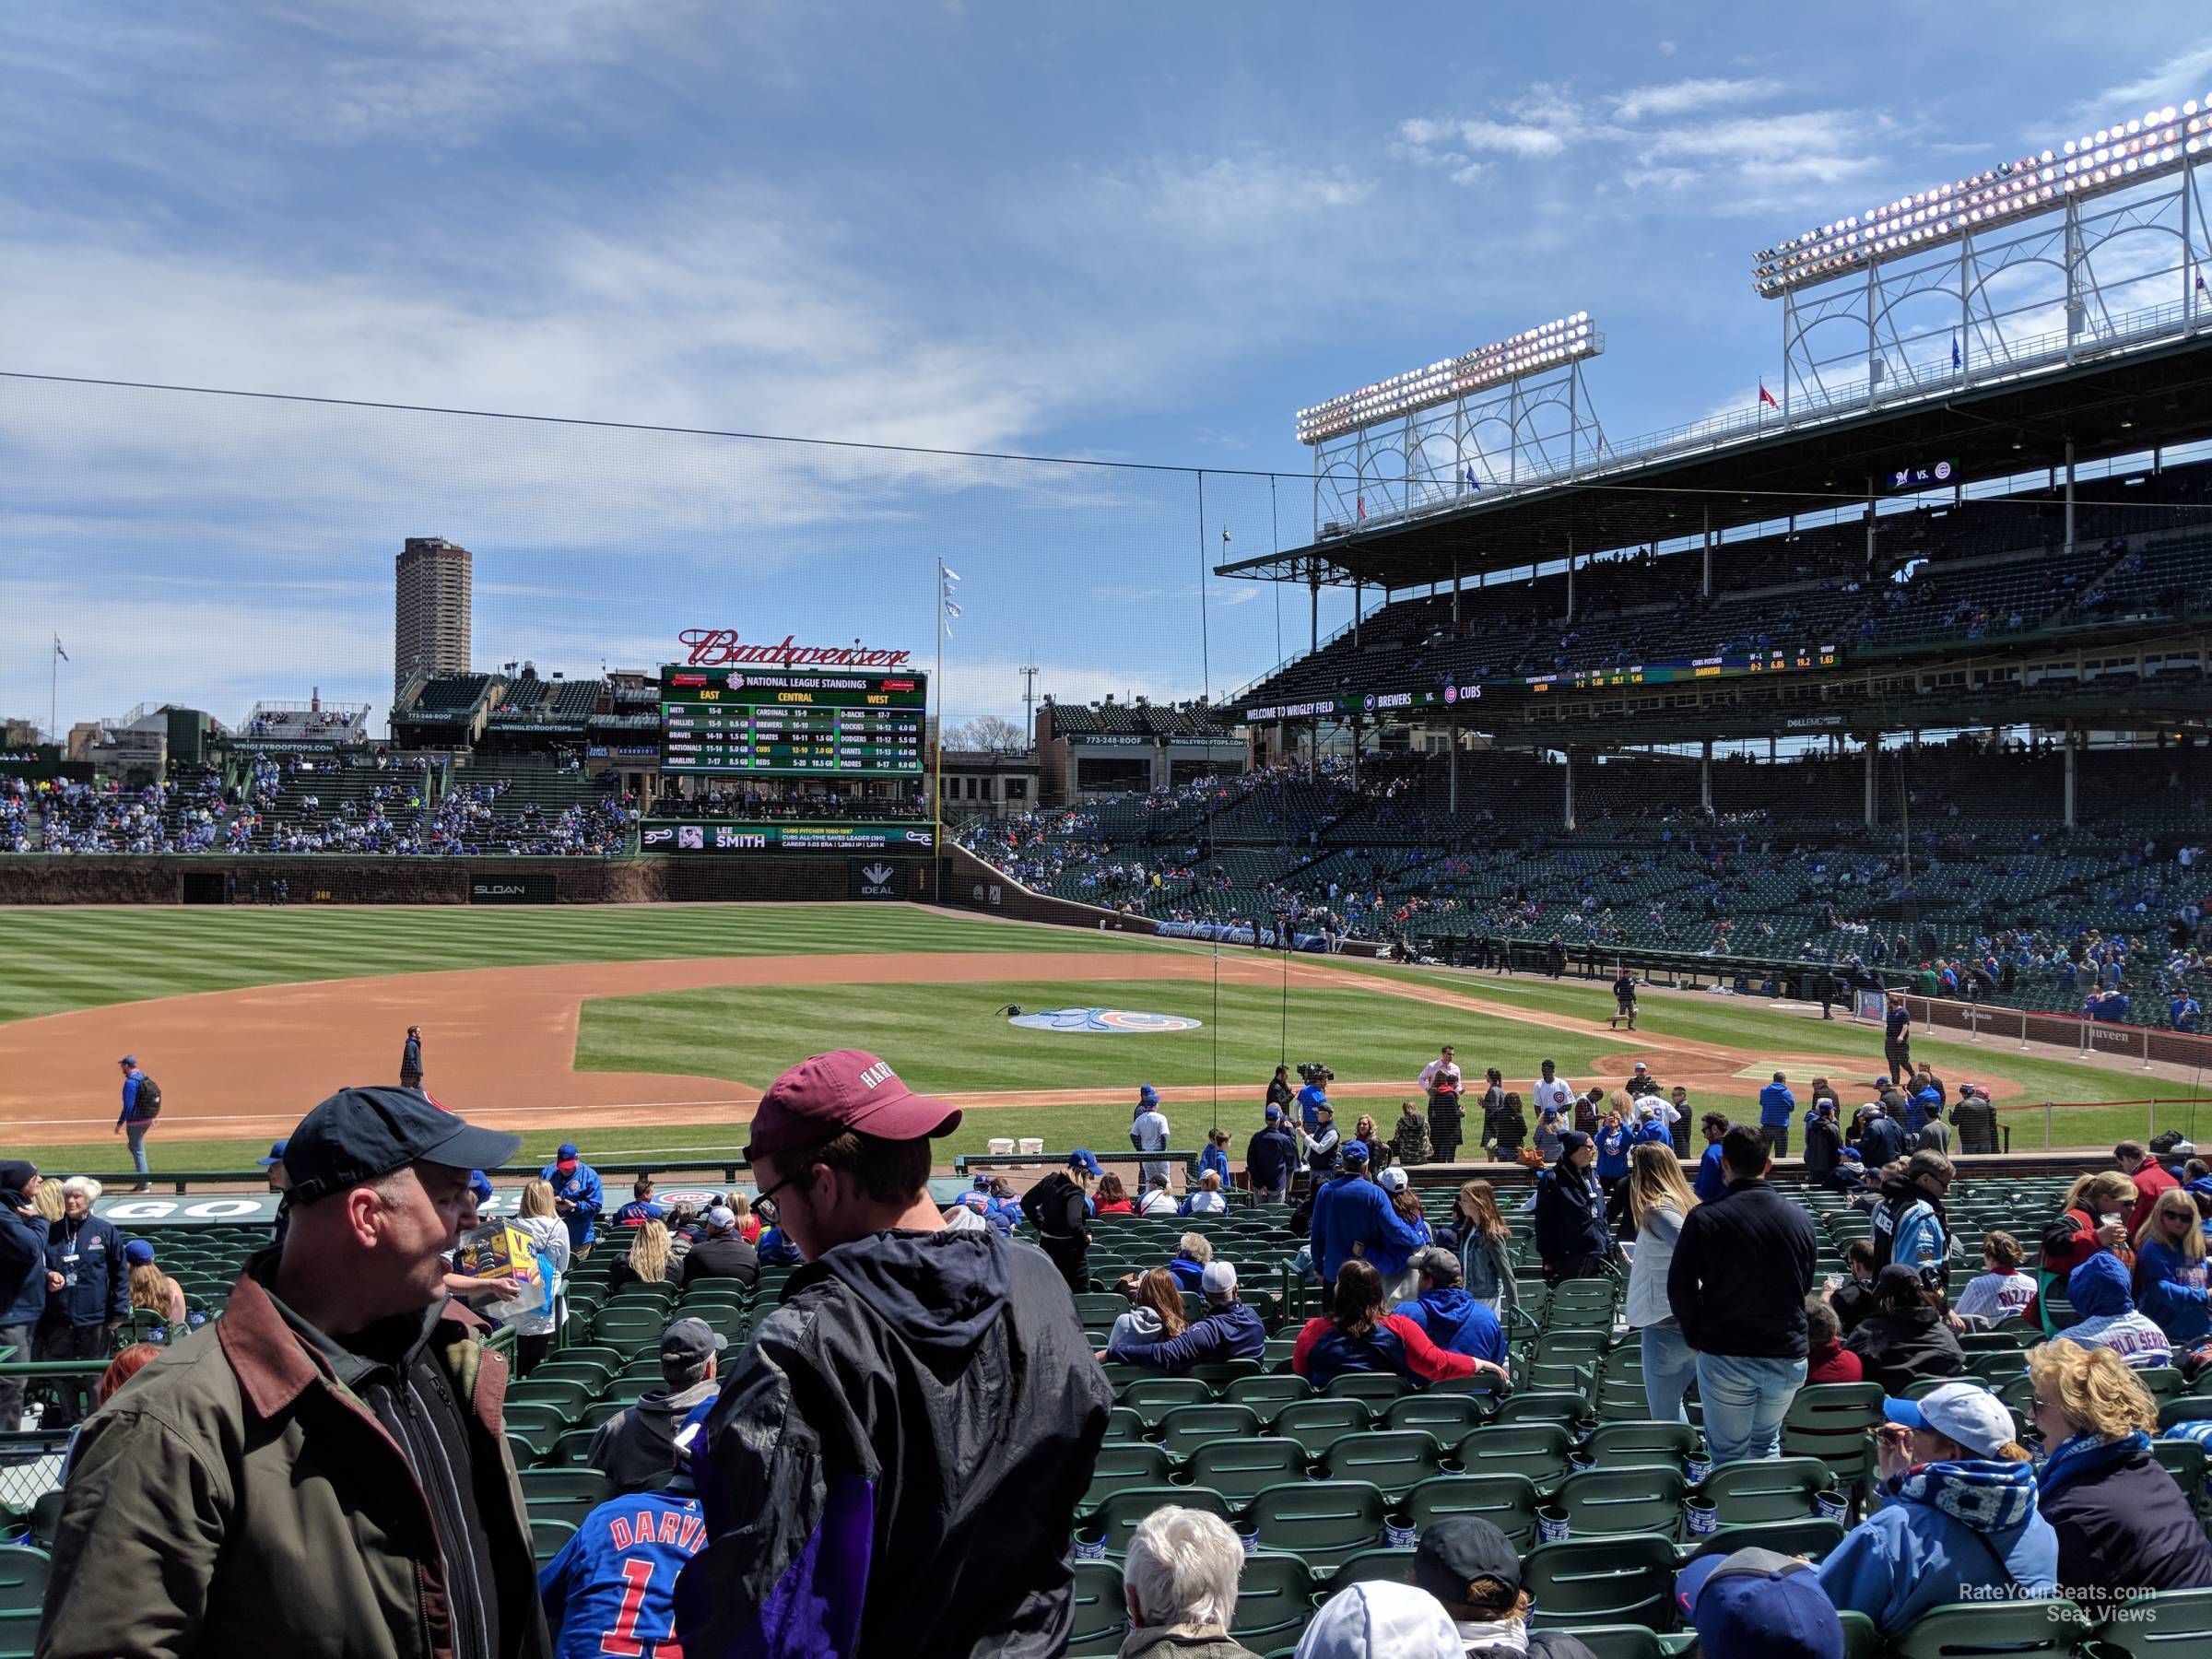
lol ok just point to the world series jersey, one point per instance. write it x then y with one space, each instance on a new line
612 1588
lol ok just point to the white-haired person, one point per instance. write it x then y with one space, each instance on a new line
87 1292
1180 1580
1207 1198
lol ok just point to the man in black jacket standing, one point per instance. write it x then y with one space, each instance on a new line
1271 1158
722 1253
1737 1284
893 1464
1059 1208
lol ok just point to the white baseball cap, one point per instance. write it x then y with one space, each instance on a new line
1391 1179
1219 1279
1965 1412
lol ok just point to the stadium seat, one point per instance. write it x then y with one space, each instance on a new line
564 1494
1625 1641
1267 1394
1506 1501
1396 1461
1445 1416
1375 1387
1122 1467
1602 1502
18 1632
1242 1469
1186 1427
547 1537
1548 1406
1627 1580
22 1577
1809 1536
1615 1445
1321 1521
1273 1600
1120 1514
1539 1451
1152 1397
1773 1488
1316 1422
2016 1629
2169 1624
1371 1566
1122 1424
1101 1617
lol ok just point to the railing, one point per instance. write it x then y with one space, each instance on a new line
119 1182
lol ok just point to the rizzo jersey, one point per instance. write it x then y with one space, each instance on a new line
612 1588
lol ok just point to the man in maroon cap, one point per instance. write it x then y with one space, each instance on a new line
894 1463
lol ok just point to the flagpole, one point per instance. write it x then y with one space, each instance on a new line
937 780
54 692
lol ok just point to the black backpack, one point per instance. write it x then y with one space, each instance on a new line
149 1106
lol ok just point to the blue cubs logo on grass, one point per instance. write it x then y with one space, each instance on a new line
1102 1019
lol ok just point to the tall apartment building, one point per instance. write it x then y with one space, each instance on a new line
430 615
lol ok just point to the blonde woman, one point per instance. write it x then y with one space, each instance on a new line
2097 1206
49 1201
2170 1268
1658 1199
150 1287
650 1261
1486 1258
536 1329
2123 1526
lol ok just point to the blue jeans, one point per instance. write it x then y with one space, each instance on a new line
1669 1367
1744 1401
135 1135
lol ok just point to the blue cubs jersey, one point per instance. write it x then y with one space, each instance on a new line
612 1588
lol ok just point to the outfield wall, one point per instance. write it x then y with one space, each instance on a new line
327 878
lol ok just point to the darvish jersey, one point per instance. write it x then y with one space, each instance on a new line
612 1588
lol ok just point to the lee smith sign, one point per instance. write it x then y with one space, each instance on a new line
721 648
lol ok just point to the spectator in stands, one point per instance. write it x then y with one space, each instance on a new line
595 1599
1358 1336
1213 1157
141 1106
1677 1116
1279 1093
1205 1199
2150 1177
1906 1339
1473 1570
410 1060
1758 1603
23 1234
1826 1359
1352 1214
1440 1080
1113 1197
1897 1037
1156 1200
1657 1201
1453 1319
1958 1520
88 1294
2001 1291
1975 1119
1853 1298
1910 1225
151 1288
1180 1580
1612 1139
1572 1235
1381 1621
721 1254
1324 1146
1777 1108
2094 1217
1391 1262
342 1375
1192 1252
1226 1330
1409 1136
941 1379
650 1261
2171 1274
641 1207
577 1195
1712 1174
1737 1284
1312 1099
2122 1524
1882 1139
1507 1129
1496 1137
633 1447
1149 1132
1823 1142
2100 1292
1059 1208
536 1328
1486 1257
1271 1158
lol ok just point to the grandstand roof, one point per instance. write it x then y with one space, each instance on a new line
2113 406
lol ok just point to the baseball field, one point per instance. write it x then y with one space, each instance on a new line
650 1031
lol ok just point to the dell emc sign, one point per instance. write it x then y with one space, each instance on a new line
878 878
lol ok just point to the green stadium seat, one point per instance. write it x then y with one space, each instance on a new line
18 1632
1240 1469
1321 1521
1316 1422
1445 1416
1775 1488
1274 1600
1580 1582
1265 1394
2016 1629
1549 1406
1394 1460
1123 1425
1642 1440
1121 1467
1120 1514
1809 1536
1625 1641
570 1451
564 1494
1371 1566
1507 1501
1540 1450
22 1577
1186 1427
1376 1387
1640 1499
1152 1397
2169 1624
1101 1617
546 1538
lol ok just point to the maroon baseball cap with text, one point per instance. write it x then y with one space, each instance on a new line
850 1088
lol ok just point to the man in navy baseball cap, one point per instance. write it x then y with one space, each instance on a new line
1759 1605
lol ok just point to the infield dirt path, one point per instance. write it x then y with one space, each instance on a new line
502 1042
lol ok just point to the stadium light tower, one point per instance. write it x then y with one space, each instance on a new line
1029 702
2034 263
1507 416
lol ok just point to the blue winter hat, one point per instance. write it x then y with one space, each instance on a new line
1080 1159
1757 1604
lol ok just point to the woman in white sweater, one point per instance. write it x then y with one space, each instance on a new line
534 1330
1658 1200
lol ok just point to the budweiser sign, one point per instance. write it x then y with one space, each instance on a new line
721 648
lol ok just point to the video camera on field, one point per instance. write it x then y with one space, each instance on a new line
1313 1071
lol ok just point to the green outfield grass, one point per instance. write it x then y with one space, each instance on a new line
58 959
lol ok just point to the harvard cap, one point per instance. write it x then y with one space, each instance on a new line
826 1095
363 1135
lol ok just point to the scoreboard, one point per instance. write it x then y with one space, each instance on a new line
796 723
1729 665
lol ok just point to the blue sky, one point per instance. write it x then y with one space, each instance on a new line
1119 233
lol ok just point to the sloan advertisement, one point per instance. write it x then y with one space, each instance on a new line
905 841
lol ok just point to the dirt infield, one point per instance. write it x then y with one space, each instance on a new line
239 1063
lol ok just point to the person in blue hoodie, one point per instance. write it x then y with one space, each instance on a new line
2101 1293
1226 1330
1713 1179
1454 1320
577 1195
1956 1518
2170 1268
1613 1138
22 1275
1352 1209
1777 1108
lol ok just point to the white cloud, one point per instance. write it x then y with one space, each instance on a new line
1530 143
2178 75
1682 97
